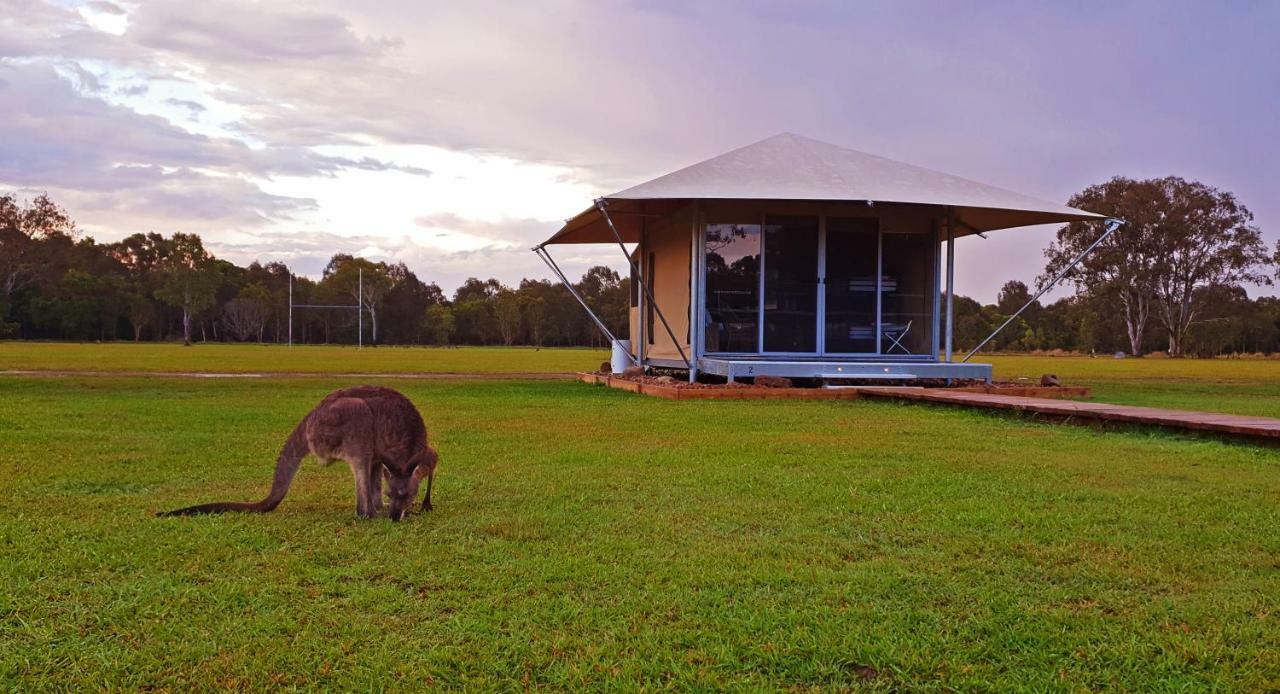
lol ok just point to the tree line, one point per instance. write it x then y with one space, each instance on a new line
57 284
1170 280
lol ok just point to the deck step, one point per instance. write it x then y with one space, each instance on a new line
867 377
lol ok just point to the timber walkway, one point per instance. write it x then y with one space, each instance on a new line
1235 426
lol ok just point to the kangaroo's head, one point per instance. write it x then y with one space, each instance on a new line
401 489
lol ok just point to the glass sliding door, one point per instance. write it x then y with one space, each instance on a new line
798 285
907 294
790 284
732 321
852 259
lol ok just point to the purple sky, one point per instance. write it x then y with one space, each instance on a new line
453 136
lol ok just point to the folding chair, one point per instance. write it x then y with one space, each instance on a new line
896 333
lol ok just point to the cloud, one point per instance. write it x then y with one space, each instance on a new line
244 32
194 107
56 134
310 102
106 7
521 233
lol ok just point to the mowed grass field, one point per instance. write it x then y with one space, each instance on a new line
1235 386
1246 386
585 537
123 357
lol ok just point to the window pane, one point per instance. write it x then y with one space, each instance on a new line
852 246
907 303
790 284
733 287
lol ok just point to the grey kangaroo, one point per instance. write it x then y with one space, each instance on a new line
377 431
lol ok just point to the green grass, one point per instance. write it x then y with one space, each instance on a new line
585 537
312 359
1248 387
1235 386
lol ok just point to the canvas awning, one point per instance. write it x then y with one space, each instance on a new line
791 167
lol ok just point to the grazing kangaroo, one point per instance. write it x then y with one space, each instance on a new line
377 431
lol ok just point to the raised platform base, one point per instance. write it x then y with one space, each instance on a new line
674 391
832 369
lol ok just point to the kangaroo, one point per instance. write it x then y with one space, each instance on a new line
377 431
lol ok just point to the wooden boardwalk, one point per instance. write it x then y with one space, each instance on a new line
1254 428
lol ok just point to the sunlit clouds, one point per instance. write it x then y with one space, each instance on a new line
454 136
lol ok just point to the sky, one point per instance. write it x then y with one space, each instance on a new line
454 136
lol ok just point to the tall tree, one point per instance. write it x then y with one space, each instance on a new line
188 279
141 256
274 277
405 306
1013 296
507 311
439 324
607 294
1206 239
364 280
34 241
474 289
246 316
1124 264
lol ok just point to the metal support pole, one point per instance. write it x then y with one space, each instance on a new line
360 308
695 238
936 329
290 309
640 341
1111 226
951 280
546 258
600 203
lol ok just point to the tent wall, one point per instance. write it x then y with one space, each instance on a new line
663 257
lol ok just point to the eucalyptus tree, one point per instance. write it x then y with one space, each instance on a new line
364 280
189 279
1179 237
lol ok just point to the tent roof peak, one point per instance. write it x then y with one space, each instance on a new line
788 166
793 167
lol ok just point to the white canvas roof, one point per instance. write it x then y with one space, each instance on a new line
792 167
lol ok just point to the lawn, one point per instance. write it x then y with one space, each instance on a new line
1248 387
1235 386
309 359
585 537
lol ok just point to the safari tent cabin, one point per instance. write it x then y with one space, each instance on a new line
798 258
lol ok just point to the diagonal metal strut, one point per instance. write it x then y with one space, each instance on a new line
635 272
542 252
1111 226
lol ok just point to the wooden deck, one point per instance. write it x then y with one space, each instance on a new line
739 393
744 392
1026 400
1253 428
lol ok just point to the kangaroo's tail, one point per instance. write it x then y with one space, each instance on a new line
295 449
